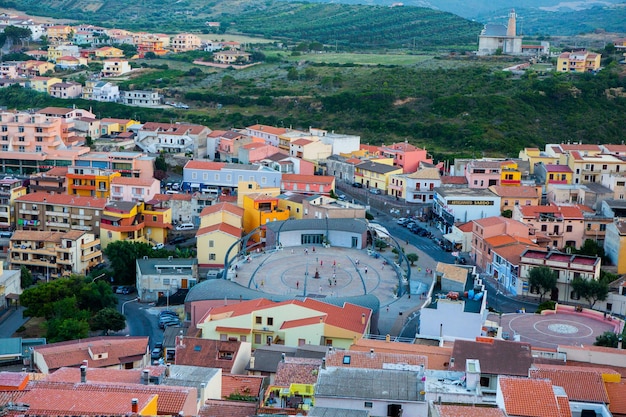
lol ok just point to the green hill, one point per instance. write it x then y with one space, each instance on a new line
338 24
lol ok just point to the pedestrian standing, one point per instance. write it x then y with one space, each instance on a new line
356 262
321 262
330 282
297 284
320 288
366 270
306 251
335 279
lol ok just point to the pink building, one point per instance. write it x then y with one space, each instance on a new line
308 184
258 151
483 174
134 189
230 142
406 156
66 90
558 226
269 134
495 232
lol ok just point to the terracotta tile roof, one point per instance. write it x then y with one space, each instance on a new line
56 171
241 384
74 352
466 227
579 147
353 161
308 179
449 179
374 360
64 199
215 408
268 129
617 397
564 407
301 142
208 165
528 397
174 129
10 397
226 329
566 212
52 237
523 191
297 371
497 357
229 207
513 253
222 227
504 240
438 357
370 148
467 411
579 384
490 221
205 353
12 380
615 148
100 375
557 168
308 321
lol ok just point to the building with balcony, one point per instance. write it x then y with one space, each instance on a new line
260 209
460 205
308 184
10 190
515 196
232 57
269 134
376 174
158 277
129 164
42 84
417 187
53 181
173 138
567 266
230 143
90 182
59 213
58 33
136 222
103 91
54 254
115 67
10 286
592 168
183 42
406 156
145 98
578 61
553 174
68 89
557 225
483 174
134 189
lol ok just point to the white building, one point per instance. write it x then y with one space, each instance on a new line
497 38
141 98
453 205
105 91
158 277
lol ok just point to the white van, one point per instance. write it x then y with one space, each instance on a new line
185 226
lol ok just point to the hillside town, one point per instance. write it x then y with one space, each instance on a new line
307 272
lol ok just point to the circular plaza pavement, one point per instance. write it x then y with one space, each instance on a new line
551 330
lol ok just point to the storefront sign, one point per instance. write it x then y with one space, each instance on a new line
470 203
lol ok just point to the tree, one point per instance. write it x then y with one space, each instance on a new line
160 163
150 55
69 329
591 248
507 213
542 278
123 255
108 319
26 278
591 290
412 257
607 339
292 74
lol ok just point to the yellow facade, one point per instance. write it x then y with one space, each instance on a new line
559 177
510 175
579 61
59 33
260 209
98 185
294 208
376 179
158 223
43 84
252 187
212 247
535 156
141 223
109 52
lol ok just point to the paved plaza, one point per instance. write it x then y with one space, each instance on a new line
551 330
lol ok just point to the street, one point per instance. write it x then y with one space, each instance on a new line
139 321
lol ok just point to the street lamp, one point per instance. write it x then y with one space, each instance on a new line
98 277
126 302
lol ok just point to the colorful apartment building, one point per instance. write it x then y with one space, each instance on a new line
129 164
406 156
514 196
558 225
578 61
58 33
483 174
59 212
269 134
53 181
535 156
223 178
54 254
310 149
290 323
90 182
510 174
42 84
590 168
308 184
376 174
231 141
136 222
134 189
10 190
66 90
109 52
260 209
553 174
184 42
417 187
220 227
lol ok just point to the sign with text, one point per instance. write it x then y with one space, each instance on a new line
470 203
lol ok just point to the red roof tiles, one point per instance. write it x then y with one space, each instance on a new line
241 384
297 371
528 397
580 384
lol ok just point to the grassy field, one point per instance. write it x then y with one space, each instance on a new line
361 59
230 37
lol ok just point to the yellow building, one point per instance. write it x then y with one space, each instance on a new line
109 52
10 190
375 174
535 156
125 220
293 203
110 126
578 61
259 209
252 187
58 33
517 196
291 323
43 84
90 182
220 228
510 175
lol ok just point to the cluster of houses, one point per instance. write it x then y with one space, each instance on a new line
74 47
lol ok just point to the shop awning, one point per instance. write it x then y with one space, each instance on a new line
453 238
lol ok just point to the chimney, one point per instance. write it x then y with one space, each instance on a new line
388 338
362 318
323 363
282 357
619 343
83 374
86 363
145 377
252 362
134 405
167 370
371 353
201 393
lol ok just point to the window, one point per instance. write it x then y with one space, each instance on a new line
211 256
346 359
368 404
301 342
258 320
228 356
544 227
223 337
242 338
603 227
37 148
569 228
270 321
484 381
211 243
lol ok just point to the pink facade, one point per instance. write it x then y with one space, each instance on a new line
25 132
559 226
406 156
492 232
308 184
259 151
483 174
66 90
134 189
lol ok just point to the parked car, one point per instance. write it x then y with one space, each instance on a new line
375 191
402 220
168 321
175 186
168 313
185 226
158 246
178 239
121 290
341 197
156 353
357 185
